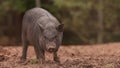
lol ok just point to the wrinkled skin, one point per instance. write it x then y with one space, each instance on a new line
43 30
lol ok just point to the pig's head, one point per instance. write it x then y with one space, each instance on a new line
51 35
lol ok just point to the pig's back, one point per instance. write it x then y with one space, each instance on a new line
35 14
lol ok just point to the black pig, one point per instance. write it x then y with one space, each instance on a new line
43 30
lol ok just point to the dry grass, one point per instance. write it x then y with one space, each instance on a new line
89 56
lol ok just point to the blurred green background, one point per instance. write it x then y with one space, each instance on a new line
86 21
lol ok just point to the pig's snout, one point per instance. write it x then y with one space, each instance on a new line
51 48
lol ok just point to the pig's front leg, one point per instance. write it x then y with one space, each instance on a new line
56 58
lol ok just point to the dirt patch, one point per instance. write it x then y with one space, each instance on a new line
89 56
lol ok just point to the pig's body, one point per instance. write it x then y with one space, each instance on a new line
43 30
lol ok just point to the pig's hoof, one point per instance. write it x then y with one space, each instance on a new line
57 60
41 61
23 61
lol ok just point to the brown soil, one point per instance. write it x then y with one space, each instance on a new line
88 56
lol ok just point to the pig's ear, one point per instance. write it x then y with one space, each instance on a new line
41 28
60 28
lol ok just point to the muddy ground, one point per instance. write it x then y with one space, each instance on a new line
87 56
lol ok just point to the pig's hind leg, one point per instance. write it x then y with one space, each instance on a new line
25 47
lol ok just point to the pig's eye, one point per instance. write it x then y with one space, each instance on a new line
53 38
45 37
50 38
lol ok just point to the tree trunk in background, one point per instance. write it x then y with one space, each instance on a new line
38 3
100 22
